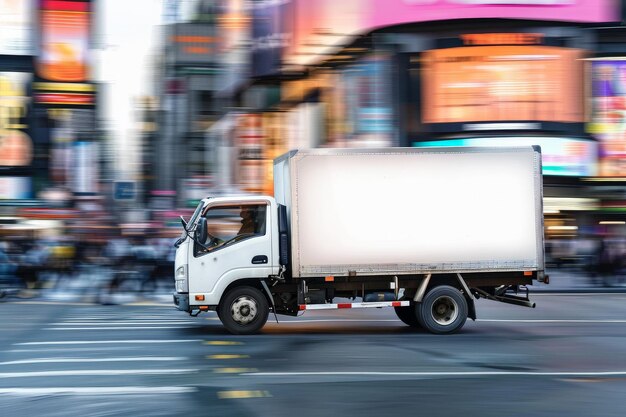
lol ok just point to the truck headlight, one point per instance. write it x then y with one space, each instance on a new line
181 279
181 272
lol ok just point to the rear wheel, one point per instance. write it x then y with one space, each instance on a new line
243 310
443 310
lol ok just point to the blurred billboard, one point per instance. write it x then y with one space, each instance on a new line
502 83
272 27
65 28
16 21
15 143
560 156
15 188
608 117
322 26
393 12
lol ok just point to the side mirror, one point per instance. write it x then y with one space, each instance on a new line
201 230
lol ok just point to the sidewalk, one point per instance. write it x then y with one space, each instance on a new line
575 280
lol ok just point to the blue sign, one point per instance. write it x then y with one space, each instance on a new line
124 190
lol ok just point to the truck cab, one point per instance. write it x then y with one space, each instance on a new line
227 240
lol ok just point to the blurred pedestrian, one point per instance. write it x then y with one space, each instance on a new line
33 262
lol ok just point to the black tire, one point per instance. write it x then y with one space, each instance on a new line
407 315
237 307
443 310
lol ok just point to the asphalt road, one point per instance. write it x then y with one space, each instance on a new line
567 357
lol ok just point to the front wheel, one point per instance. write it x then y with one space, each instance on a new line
443 310
243 310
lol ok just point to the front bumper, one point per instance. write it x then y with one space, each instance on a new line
181 301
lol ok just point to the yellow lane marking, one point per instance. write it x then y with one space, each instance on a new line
227 357
234 370
233 395
222 343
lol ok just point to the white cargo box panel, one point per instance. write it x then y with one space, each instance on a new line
405 210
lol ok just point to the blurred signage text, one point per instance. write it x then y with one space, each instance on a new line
194 43
502 39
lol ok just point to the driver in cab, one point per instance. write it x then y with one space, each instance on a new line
217 235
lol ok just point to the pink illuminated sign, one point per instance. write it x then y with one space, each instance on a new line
393 12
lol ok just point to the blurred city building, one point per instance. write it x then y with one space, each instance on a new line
235 83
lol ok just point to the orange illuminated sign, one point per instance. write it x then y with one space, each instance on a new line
194 44
502 83
502 39
65 40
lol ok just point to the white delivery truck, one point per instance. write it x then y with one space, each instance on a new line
426 231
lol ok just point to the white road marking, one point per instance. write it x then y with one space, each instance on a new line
118 328
573 294
96 372
553 320
81 360
444 373
294 321
31 392
45 349
105 323
98 342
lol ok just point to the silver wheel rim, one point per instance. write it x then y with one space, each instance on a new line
244 309
444 310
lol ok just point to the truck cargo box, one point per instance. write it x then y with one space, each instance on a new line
409 211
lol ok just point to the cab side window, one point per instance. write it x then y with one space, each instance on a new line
228 225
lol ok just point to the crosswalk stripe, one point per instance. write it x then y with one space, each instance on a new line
95 391
98 342
84 360
96 372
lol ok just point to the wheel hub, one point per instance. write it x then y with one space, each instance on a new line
244 310
445 310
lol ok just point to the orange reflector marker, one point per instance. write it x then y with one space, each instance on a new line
203 308
329 278
528 273
199 297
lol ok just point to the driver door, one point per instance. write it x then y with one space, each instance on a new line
238 245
